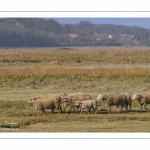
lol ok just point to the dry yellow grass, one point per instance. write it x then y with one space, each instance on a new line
65 71
68 57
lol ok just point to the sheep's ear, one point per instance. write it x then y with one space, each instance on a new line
138 95
104 95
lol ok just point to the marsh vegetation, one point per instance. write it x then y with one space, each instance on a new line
25 73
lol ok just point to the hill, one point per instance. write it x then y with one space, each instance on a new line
37 32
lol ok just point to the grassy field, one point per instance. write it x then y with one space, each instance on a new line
25 73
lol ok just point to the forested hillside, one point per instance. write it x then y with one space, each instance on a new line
36 32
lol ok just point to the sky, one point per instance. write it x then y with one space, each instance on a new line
140 22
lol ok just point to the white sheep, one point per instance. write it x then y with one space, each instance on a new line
87 104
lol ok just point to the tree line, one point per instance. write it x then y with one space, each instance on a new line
37 32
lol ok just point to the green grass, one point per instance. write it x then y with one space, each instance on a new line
102 122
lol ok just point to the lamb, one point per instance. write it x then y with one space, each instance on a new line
143 99
87 104
52 102
113 99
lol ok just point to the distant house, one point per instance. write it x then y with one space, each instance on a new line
110 36
101 36
71 35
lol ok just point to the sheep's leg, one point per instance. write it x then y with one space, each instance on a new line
64 109
121 108
81 111
78 108
88 110
65 106
38 112
96 110
106 107
109 109
44 111
127 108
74 109
92 108
118 109
130 107
144 106
52 110
141 107
60 109
70 110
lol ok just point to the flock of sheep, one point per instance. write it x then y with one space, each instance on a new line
82 101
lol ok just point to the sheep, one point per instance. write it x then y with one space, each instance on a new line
113 99
143 99
87 104
70 100
31 101
52 102
64 95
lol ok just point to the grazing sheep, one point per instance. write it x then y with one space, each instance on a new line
113 99
143 99
87 104
70 100
52 102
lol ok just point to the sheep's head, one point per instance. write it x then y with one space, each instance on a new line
32 100
77 103
63 95
136 96
101 97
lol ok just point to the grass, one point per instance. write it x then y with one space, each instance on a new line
74 72
102 122
25 73
75 56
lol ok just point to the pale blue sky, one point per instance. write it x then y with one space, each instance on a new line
141 22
